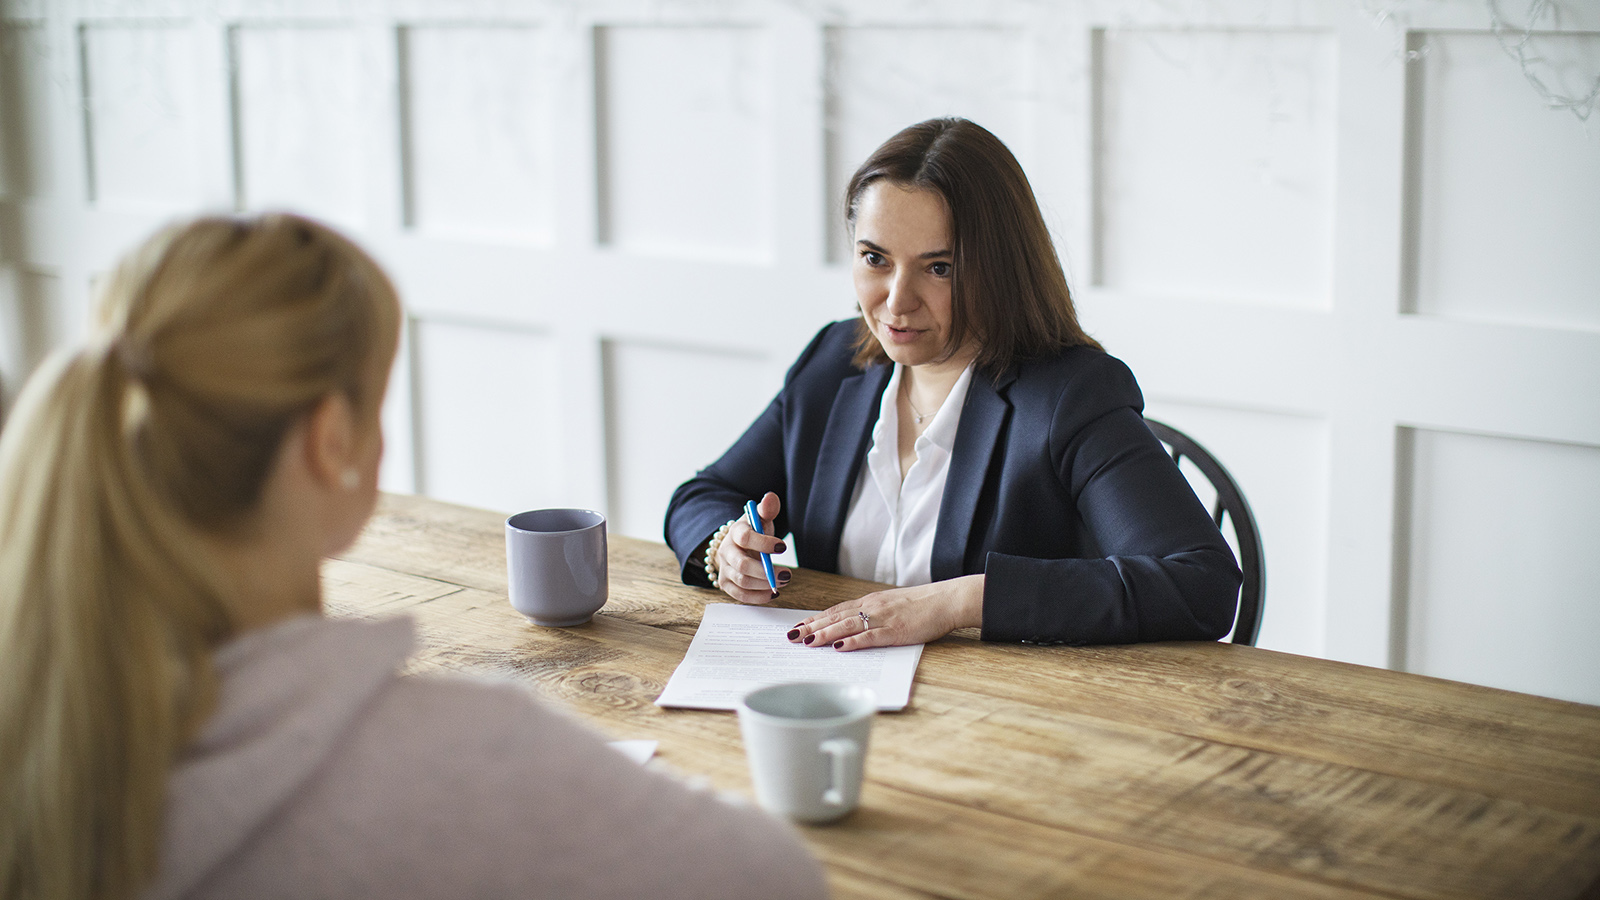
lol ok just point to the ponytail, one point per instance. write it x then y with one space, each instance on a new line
121 466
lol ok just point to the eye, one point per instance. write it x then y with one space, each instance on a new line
872 258
940 270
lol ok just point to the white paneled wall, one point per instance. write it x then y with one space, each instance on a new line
141 118
652 394
1508 212
1348 246
487 400
300 120
477 110
685 141
27 102
1501 585
1216 164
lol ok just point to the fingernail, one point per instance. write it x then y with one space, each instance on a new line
781 548
798 624
783 577
838 645
810 638
794 634
774 595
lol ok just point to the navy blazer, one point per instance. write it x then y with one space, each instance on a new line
1086 531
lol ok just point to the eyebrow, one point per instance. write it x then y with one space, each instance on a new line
931 254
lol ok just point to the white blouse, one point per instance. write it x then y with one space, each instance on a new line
888 531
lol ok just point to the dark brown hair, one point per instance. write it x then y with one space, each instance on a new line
1007 291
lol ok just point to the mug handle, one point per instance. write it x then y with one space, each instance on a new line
844 753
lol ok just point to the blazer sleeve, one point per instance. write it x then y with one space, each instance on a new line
1164 571
754 465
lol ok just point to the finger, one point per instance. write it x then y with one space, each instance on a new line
804 633
811 624
746 577
732 585
875 638
743 537
870 634
740 576
747 574
769 507
732 556
836 613
841 626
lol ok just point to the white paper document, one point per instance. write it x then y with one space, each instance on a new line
740 648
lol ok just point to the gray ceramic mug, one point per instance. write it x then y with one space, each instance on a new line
556 565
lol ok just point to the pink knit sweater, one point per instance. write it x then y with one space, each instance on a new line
325 774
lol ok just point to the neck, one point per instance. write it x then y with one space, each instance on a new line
925 387
269 580
935 379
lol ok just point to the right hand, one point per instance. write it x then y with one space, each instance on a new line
739 571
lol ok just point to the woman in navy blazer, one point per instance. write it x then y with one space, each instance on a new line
1061 518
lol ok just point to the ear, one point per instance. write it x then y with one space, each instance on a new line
330 440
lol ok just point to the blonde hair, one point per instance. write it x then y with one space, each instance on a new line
119 463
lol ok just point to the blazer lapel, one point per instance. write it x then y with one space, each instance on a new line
982 418
844 445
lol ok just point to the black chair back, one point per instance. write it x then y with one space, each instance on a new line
1231 503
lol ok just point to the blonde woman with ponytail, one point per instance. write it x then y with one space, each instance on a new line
176 717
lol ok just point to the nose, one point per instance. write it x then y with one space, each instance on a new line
903 297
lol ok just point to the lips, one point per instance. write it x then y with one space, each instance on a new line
901 335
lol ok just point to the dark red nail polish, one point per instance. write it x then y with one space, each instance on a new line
783 577
781 548
774 595
810 638
838 645
798 624
793 634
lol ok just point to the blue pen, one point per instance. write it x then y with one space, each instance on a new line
766 561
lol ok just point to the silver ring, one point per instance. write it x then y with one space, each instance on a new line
866 621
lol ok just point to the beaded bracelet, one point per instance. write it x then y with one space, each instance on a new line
711 551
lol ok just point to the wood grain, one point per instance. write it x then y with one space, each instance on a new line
1161 770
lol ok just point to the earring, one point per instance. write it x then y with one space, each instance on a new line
350 479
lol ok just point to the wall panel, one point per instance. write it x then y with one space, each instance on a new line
1200 128
1501 583
488 415
140 112
27 153
672 411
30 313
300 121
684 120
1507 195
478 124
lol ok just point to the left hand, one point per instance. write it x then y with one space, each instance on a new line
909 615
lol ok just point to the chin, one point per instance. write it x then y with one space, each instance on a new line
907 356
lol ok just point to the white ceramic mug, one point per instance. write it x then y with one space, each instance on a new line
807 747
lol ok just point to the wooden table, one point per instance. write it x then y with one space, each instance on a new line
1183 770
